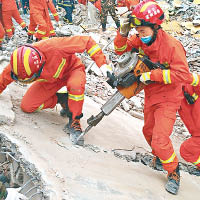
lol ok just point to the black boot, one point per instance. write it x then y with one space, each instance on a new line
30 39
73 128
173 182
63 101
118 24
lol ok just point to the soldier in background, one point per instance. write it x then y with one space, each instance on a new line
108 6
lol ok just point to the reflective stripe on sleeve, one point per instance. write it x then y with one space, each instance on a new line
123 48
166 76
195 79
195 96
94 50
62 64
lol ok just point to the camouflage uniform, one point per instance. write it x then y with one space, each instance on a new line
108 6
3 192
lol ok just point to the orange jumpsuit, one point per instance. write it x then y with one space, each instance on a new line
131 3
39 17
2 33
189 113
162 98
62 68
55 15
9 11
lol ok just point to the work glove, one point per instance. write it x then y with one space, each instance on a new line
145 78
106 70
125 27
13 194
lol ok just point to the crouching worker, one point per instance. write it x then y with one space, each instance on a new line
163 90
52 64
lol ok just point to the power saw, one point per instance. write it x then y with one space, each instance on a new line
126 79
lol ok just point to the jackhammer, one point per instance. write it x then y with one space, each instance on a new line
126 79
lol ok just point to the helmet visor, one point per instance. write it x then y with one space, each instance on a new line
24 81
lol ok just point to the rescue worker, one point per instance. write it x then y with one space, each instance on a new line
189 113
108 6
40 19
2 32
9 11
163 96
56 17
52 64
68 5
25 6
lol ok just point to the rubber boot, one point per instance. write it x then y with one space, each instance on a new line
30 39
73 128
63 101
173 182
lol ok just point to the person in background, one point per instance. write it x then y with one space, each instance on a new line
9 11
108 6
163 90
190 115
40 19
2 31
68 5
25 6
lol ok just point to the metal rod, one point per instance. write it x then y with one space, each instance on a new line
10 156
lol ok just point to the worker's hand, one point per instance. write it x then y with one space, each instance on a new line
106 69
13 194
145 78
125 27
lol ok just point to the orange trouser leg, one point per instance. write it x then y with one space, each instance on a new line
190 115
42 95
76 87
51 30
32 25
18 19
2 33
190 150
42 25
158 125
7 20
